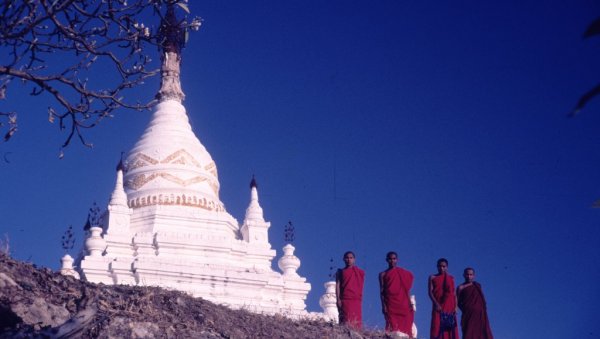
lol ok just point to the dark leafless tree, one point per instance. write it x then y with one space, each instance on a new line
68 239
62 47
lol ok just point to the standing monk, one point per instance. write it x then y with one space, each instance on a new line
349 283
395 284
441 293
474 320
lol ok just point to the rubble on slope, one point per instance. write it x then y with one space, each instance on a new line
37 302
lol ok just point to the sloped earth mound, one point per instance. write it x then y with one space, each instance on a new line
37 302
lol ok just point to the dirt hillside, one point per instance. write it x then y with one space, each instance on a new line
37 302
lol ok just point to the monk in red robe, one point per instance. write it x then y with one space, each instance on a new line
395 284
349 290
441 293
474 320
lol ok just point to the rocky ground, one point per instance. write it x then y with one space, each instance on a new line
37 302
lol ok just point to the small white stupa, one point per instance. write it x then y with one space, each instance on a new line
166 226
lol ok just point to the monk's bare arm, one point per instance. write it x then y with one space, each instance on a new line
458 289
431 296
383 308
455 303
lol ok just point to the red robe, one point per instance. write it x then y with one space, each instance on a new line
352 281
397 283
444 294
474 320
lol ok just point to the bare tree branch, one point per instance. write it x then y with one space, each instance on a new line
592 30
61 47
583 100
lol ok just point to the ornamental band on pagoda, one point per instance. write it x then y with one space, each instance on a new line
165 224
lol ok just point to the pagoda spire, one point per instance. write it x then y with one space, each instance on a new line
118 196
254 211
172 40
255 228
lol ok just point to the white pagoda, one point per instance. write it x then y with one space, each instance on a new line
165 224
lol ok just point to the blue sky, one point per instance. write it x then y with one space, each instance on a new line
432 129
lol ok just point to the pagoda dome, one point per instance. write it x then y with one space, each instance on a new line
169 166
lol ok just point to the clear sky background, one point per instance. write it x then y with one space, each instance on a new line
435 129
